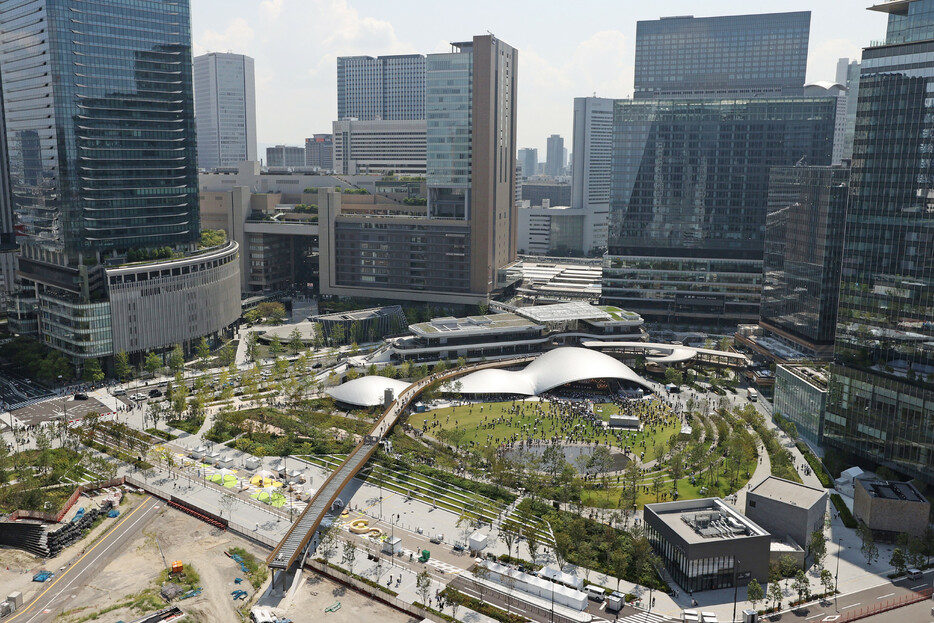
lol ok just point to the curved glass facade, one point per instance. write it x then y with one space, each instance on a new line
100 123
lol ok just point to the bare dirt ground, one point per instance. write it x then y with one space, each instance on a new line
318 592
180 537
171 536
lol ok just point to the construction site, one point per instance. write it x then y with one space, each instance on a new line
152 558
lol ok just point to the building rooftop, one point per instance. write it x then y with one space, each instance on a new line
473 325
707 519
796 494
816 375
891 490
577 310
362 314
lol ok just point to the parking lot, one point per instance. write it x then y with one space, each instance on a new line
57 409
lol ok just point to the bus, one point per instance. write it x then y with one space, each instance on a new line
753 396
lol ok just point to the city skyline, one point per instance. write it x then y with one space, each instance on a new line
296 59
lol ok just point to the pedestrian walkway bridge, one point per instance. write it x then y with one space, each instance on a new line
293 544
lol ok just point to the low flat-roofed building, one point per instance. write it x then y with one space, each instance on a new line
586 319
705 543
787 509
890 508
471 337
361 325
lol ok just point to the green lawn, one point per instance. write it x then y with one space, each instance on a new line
467 422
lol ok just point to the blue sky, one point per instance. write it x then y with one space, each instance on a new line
566 49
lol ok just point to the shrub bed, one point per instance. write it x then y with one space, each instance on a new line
845 515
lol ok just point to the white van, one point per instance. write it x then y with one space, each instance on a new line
597 593
914 574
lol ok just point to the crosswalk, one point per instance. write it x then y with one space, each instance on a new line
642 617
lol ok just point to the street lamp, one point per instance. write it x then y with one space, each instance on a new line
735 586
836 580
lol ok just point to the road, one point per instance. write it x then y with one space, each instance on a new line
50 600
860 600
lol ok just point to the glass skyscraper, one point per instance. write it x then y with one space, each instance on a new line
100 125
880 406
689 200
225 109
803 248
99 116
388 88
736 55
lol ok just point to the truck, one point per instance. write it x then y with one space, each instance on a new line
614 603
752 395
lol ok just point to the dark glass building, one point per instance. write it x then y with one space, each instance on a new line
737 55
100 124
689 199
803 247
880 405
101 139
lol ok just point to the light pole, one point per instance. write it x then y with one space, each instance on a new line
735 586
836 579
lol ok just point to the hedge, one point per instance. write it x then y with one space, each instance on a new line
816 465
845 515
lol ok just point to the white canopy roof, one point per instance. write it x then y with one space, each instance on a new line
366 391
553 369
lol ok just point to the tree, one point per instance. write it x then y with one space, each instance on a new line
787 565
122 367
754 592
619 562
899 561
507 536
177 359
674 376
203 351
826 578
818 547
275 346
152 363
775 593
531 542
868 548
227 503
295 341
92 372
801 585
423 586
562 548
252 345
350 553
328 544
480 574
227 354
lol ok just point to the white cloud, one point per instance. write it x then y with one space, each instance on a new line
822 58
236 38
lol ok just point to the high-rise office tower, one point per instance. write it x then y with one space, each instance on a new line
285 156
101 138
590 172
848 76
319 151
529 159
730 56
391 88
803 249
554 165
8 246
225 109
689 199
455 249
881 399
